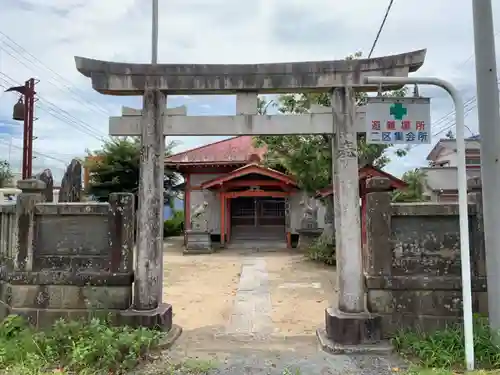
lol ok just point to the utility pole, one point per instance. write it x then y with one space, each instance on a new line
154 36
29 103
24 111
489 129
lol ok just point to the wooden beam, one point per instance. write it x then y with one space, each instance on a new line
242 183
257 193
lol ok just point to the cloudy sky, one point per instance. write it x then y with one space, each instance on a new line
72 118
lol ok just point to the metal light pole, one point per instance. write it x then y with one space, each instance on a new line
489 129
462 198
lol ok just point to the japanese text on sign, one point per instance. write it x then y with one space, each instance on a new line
398 121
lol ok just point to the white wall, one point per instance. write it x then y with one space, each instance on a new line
199 196
448 155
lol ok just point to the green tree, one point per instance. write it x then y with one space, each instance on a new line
263 105
5 173
415 190
115 168
309 157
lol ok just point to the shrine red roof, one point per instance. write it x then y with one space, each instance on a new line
236 150
364 173
250 169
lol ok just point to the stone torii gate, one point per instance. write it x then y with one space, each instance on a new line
348 323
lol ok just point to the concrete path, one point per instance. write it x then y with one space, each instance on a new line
255 314
252 304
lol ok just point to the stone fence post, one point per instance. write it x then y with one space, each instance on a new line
121 231
478 258
31 195
377 254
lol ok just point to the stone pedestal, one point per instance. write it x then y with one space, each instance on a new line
351 328
158 318
198 242
352 333
307 237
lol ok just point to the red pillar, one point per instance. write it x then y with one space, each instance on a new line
29 107
222 217
228 221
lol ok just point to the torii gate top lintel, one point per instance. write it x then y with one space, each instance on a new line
114 78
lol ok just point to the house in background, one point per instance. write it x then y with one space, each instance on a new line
441 175
246 200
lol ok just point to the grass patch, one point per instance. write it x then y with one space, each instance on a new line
443 352
74 347
322 251
423 371
191 367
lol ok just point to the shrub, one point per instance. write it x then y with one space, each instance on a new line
72 347
322 251
175 225
445 348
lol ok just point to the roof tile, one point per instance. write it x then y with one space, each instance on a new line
232 150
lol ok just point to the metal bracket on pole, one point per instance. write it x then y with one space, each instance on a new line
415 92
462 197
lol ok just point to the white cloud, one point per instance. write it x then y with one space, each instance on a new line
72 116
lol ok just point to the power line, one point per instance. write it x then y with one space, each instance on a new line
2 141
381 27
451 121
56 111
48 106
79 94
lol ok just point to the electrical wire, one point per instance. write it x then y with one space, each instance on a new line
391 2
55 111
32 62
80 95
2 141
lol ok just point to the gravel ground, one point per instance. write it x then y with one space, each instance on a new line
253 314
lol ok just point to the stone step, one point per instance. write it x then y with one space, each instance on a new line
253 244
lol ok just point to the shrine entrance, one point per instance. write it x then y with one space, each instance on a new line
254 204
260 218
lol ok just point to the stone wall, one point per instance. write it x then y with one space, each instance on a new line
412 260
70 260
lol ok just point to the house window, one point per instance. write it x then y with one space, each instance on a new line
472 160
448 198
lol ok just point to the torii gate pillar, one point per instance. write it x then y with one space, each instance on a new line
348 323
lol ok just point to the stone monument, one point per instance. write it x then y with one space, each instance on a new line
71 184
309 230
309 213
198 240
48 191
